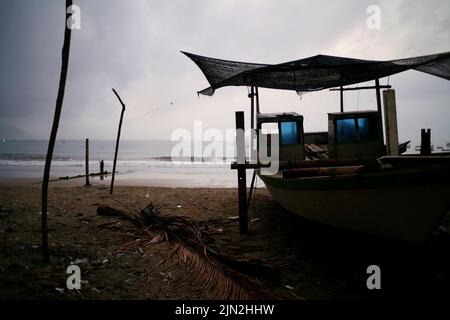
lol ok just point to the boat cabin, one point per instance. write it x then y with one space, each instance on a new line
289 126
356 134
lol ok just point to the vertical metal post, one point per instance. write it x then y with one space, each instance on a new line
87 162
342 98
242 182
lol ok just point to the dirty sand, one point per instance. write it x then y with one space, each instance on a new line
314 261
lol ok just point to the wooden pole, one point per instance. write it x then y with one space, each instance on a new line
257 101
361 88
117 141
377 89
242 183
252 104
425 143
102 165
87 162
54 131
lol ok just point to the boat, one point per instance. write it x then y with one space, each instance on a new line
353 176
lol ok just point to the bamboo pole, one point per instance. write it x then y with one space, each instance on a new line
54 131
117 141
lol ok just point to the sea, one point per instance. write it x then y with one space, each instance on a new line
139 162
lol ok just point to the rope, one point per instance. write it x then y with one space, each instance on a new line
357 103
142 115
254 196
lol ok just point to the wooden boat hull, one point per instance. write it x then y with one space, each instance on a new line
406 206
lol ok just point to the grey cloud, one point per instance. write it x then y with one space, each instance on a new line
134 46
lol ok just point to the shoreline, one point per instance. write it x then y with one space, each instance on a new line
213 177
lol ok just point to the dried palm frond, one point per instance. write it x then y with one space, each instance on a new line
203 267
205 273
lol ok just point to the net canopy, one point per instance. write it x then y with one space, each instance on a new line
313 73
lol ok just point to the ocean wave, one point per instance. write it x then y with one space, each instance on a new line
31 157
212 163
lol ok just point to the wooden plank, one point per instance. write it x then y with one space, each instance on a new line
308 163
390 122
319 171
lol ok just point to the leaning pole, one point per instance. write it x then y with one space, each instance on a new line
54 131
117 141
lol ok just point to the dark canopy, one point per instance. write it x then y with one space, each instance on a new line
314 73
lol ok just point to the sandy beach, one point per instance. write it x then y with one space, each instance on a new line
308 260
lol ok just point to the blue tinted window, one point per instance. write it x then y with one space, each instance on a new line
345 130
363 126
368 129
289 134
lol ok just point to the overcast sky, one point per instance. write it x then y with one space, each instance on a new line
134 46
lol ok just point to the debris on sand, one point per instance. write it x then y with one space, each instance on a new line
222 276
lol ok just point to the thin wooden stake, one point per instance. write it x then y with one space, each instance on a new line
117 141
87 162
54 131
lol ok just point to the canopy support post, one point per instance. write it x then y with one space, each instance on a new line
252 105
257 101
242 183
342 98
377 89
